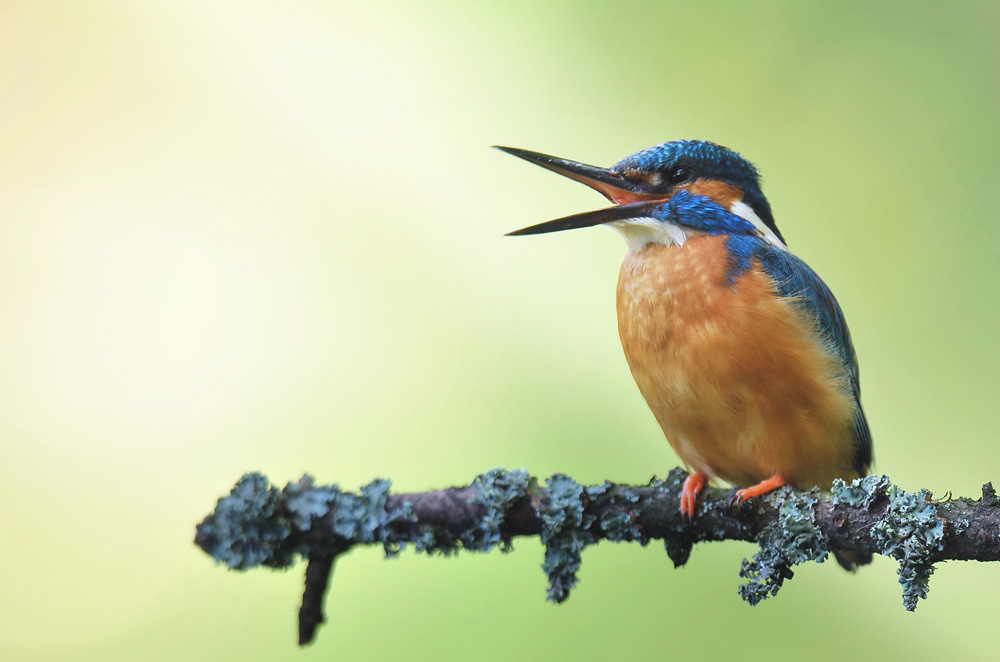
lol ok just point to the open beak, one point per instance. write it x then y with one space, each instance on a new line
629 198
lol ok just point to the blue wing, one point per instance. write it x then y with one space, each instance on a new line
794 278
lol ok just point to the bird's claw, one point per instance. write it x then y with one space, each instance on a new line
689 495
763 487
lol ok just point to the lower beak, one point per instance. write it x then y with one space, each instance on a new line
642 209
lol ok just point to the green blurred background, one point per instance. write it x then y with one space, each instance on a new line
268 236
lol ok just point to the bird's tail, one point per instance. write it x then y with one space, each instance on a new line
851 561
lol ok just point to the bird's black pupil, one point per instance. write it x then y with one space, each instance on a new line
679 175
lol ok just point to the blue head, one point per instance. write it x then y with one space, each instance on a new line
667 192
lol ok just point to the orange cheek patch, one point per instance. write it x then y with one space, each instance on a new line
723 193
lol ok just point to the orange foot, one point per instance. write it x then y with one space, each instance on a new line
763 487
689 493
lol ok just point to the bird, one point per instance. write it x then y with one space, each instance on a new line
739 348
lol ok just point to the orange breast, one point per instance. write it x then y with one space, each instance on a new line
737 378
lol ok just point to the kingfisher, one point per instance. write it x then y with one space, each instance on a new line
740 350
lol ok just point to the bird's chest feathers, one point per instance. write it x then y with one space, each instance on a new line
727 365
684 324
675 297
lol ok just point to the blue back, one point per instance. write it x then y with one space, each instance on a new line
793 278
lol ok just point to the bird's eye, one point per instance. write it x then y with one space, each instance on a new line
679 175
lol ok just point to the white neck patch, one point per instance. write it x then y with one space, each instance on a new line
640 232
745 211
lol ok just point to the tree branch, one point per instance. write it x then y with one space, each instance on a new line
258 524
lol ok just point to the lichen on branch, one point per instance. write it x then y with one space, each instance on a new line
258 524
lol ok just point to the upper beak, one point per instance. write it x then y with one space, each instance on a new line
625 194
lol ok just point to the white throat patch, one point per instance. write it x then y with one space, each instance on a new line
745 211
640 232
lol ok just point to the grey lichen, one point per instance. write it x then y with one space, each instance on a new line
618 522
563 533
305 501
794 538
249 527
256 522
357 516
911 533
861 492
801 539
496 490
